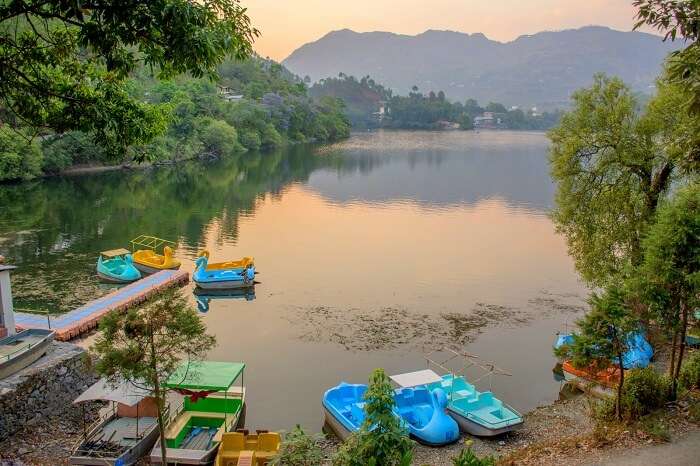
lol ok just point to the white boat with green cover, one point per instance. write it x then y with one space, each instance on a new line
212 406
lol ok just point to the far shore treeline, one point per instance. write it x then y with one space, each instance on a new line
369 104
254 104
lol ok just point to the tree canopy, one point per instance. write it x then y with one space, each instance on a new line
613 164
63 63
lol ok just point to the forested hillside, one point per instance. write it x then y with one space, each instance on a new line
201 119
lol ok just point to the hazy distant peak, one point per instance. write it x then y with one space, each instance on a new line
541 69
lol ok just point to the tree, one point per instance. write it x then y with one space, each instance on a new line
602 336
63 63
382 440
20 159
147 344
299 449
612 166
677 20
669 277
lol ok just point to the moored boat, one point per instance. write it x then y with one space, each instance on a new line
344 408
211 407
22 349
117 266
424 411
253 449
147 257
241 274
477 413
123 435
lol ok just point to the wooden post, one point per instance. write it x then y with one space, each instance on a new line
7 314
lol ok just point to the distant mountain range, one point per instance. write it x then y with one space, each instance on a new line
541 69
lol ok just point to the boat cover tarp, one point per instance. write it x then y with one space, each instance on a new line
638 355
205 375
123 392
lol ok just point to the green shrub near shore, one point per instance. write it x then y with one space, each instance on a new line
644 392
689 378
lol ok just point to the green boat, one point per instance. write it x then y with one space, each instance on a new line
212 406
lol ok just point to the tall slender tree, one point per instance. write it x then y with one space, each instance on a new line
147 344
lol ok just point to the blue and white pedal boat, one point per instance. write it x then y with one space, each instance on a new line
423 411
477 413
215 277
344 408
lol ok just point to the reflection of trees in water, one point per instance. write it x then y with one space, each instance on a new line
92 212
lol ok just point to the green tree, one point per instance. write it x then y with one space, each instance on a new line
218 137
147 344
63 63
602 336
20 157
669 277
612 168
382 440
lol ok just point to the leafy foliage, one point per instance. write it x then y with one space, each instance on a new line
147 344
20 158
467 457
613 166
677 20
690 372
299 449
64 62
644 392
382 440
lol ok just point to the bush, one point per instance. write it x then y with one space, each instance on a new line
299 449
644 391
382 440
65 150
690 372
468 458
20 158
249 138
218 137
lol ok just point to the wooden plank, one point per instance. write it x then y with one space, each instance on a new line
246 458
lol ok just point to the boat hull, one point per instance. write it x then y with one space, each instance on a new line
128 458
110 279
147 269
197 457
469 426
338 429
15 363
224 285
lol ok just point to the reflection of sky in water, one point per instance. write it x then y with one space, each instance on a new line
439 170
420 222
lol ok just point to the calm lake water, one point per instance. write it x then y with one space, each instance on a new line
371 252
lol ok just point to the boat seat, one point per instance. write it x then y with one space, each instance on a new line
463 394
181 421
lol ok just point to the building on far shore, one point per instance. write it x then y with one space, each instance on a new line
489 120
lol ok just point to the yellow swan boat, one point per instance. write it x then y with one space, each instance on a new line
236 264
148 260
239 448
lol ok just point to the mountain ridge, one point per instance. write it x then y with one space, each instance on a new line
540 69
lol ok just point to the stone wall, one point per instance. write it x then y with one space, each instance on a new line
45 390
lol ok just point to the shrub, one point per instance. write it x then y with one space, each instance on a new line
382 440
249 138
299 449
645 391
20 158
218 137
690 372
468 458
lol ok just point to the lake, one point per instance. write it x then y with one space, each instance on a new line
371 252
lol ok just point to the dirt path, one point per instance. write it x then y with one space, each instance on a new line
683 451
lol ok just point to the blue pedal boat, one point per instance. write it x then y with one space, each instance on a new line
344 408
421 412
477 413
117 266
215 277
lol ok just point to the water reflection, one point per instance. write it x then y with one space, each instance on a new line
368 251
204 297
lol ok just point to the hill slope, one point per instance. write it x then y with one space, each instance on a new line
541 69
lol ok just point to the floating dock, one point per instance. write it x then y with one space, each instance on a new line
85 318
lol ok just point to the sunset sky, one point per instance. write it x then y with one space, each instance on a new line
286 25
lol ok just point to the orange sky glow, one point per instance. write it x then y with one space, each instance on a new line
286 25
